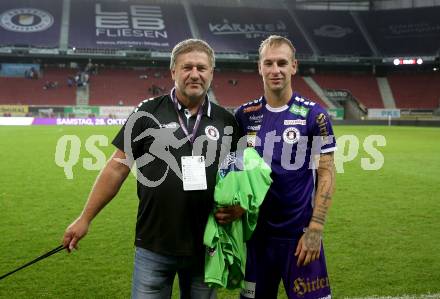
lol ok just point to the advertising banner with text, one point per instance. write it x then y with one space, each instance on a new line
126 24
383 113
31 121
14 109
241 29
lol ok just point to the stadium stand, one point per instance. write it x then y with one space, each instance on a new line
233 88
404 31
363 87
334 32
32 92
416 91
326 39
128 87
240 29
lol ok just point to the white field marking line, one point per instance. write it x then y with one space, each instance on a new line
423 296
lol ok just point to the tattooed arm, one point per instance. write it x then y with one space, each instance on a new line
309 246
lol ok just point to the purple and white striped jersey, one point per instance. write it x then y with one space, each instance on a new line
287 137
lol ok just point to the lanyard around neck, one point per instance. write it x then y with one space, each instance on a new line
182 123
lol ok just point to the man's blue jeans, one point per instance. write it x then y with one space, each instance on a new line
154 274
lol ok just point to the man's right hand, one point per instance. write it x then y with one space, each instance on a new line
75 232
228 214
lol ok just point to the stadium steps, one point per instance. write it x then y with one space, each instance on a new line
363 87
386 93
365 33
307 37
65 23
191 19
82 96
318 90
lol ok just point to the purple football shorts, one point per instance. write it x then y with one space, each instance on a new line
272 260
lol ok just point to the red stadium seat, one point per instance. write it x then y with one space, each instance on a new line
363 87
233 88
31 92
111 86
416 91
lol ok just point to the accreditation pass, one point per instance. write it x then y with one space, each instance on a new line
193 173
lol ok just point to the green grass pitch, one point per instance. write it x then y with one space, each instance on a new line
382 236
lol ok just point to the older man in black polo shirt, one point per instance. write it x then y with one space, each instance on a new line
177 141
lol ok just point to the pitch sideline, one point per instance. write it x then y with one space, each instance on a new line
423 296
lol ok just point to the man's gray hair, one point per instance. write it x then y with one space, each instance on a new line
190 45
275 40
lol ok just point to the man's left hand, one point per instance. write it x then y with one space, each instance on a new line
226 215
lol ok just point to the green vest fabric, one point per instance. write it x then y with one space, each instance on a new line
225 258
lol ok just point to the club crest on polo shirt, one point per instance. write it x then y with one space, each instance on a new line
251 138
212 133
291 135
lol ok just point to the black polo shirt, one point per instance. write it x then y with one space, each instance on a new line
170 220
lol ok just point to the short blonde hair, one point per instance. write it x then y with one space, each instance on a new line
275 40
190 45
